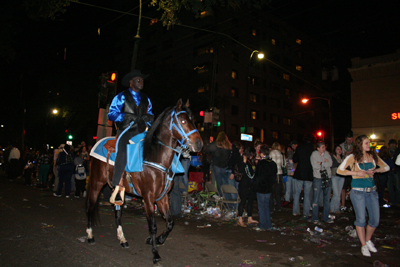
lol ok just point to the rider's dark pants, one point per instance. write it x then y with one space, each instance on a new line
120 161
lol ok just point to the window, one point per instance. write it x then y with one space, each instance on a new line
299 54
274 118
254 97
234 110
287 121
286 136
275 135
273 41
203 50
287 106
264 116
254 32
205 13
276 103
254 114
287 62
234 92
264 99
235 129
234 74
255 80
235 56
275 87
287 92
203 68
298 41
204 88
299 68
286 76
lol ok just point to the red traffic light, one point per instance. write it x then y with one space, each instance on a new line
113 76
319 133
202 113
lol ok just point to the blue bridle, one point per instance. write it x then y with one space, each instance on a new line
185 136
184 146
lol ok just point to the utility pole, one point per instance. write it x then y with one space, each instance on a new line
137 39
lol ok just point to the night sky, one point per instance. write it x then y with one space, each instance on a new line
38 74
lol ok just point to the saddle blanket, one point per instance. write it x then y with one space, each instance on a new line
134 153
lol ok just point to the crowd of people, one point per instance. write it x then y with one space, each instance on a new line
276 176
63 169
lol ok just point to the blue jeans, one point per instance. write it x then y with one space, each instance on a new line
289 189
365 201
337 185
220 176
394 187
297 186
234 184
317 187
264 212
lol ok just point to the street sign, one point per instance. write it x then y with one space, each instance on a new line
246 137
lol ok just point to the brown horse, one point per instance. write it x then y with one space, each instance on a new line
172 130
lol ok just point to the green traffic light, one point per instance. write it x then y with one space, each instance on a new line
70 137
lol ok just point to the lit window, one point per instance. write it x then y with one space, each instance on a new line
275 135
254 115
299 68
298 41
287 91
234 74
286 77
273 42
286 136
253 98
234 92
287 121
254 32
204 88
204 14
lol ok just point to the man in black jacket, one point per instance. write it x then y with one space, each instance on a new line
303 175
131 105
264 179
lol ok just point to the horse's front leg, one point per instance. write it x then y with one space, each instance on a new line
163 207
120 233
151 221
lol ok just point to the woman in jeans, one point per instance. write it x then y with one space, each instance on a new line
337 181
363 162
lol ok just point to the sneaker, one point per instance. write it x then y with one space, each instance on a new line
294 214
330 221
67 196
54 194
84 194
272 229
365 251
371 246
315 221
343 209
258 229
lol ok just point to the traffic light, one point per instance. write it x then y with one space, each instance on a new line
202 113
70 137
108 88
320 135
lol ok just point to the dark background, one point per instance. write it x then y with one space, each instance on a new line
38 75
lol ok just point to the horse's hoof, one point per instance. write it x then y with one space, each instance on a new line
148 241
157 263
125 245
91 241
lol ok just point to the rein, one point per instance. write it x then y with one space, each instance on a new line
181 150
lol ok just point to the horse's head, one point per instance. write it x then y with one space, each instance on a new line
183 128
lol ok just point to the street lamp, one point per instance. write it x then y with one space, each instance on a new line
55 111
305 101
260 56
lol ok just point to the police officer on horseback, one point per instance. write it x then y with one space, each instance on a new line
131 105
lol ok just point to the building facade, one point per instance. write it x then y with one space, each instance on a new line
215 64
375 97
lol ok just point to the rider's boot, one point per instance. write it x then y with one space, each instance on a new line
117 197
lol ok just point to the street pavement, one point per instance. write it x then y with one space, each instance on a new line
38 229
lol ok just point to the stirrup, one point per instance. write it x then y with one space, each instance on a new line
121 192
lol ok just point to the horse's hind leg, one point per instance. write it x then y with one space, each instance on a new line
151 221
163 207
120 233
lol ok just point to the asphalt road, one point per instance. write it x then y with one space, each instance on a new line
37 229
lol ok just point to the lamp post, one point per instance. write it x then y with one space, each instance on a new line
260 56
305 101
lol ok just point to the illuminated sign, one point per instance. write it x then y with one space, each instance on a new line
246 137
396 116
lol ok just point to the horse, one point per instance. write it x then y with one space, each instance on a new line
173 129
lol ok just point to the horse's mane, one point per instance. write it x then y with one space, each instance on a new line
151 146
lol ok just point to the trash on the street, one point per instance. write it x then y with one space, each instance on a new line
318 229
353 233
292 259
387 247
379 264
82 239
349 228
186 223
